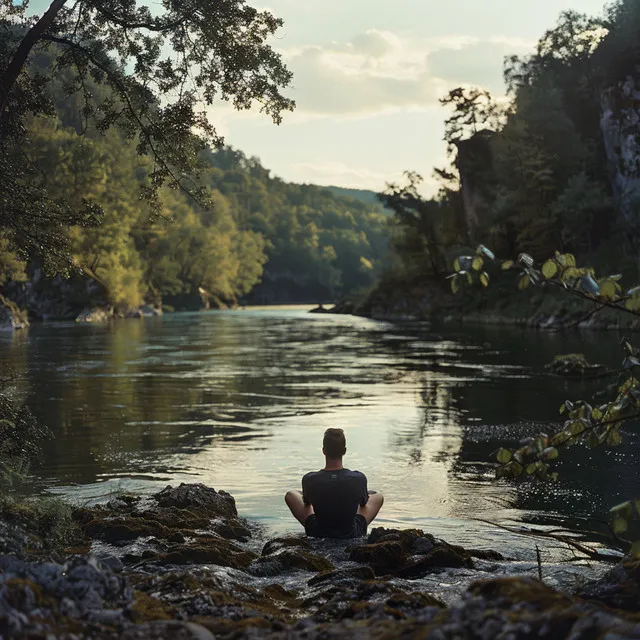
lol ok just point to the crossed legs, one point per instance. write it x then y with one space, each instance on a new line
301 511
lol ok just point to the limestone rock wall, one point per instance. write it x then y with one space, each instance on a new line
620 125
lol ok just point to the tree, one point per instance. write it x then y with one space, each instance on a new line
419 220
473 110
164 65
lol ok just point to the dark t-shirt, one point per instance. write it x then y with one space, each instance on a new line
335 496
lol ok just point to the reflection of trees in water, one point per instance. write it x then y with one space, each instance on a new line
107 400
436 435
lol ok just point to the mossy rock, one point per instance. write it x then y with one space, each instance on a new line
339 576
198 498
124 529
290 559
572 364
217 552
618 588
384 557
146 608
276 544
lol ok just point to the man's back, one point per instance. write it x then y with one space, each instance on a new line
335 496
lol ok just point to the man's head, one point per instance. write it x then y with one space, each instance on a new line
334 444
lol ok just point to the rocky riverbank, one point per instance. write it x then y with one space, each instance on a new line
183 564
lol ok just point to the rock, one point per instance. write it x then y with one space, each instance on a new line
11 316
320 309
384 557
217 552
276 544
98 315
410 553
113 562
572 364
340 576
618 588
198 498
149 311
125 529
289 559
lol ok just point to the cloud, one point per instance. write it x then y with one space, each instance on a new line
379 71
479 63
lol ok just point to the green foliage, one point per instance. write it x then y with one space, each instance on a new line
21 437
107 62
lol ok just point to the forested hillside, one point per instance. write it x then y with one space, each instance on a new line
251 237
554 168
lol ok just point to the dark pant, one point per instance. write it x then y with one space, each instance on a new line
314 530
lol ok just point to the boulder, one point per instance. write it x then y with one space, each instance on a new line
411 553
198 498
276 544
97 315
289 559
11 316
619 588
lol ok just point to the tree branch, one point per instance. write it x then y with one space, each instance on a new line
12 72
157 26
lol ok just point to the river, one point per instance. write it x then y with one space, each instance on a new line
239 400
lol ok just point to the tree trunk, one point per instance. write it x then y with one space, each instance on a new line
12 72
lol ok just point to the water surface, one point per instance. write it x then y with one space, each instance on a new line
239 400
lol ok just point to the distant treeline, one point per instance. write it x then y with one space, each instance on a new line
256 238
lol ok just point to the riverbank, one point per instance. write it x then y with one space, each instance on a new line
183 564
502 304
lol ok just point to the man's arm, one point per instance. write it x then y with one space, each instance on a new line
364 495
305 489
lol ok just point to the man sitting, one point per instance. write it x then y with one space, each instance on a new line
334 502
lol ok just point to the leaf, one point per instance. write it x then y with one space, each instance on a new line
635 548
503 456
596 414
456 265
619 525
608 290
568 260
634 292
477 263
592 440
554 476
589 285
576 427
633 303
549 269
524 282
569 274
531 468
637 506
508 264
455 286
469 277
484 278
614 438
622 510
482 250
550 453
525 259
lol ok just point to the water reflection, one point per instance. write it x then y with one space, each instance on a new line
240 400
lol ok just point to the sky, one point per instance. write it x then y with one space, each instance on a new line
367 78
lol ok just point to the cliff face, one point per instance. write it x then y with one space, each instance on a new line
56 298
620 125
477 176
